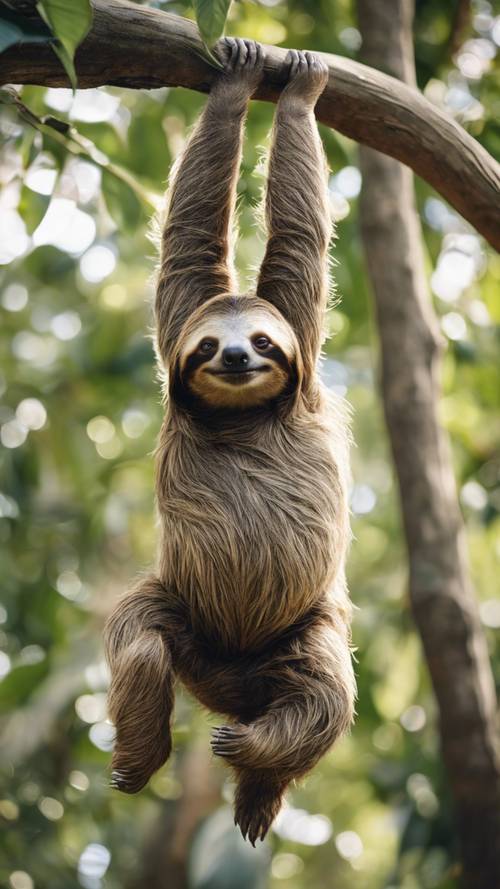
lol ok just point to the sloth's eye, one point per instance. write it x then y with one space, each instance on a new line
207 346
261 342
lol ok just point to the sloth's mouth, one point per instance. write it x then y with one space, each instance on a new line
236 372
236 376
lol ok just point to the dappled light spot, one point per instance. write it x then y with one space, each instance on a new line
286 865
111 449
454 272
97 263
440 217
387 736
474 495
413 719
79 780
347 182
31 413
335 375
454 326
102 735
91 708
134 422
363 499
103 433
459 263
114 296
478 313
100 429
31 654
9 809
349 845
92 865
490 613
13 434
97 675
65 226
495 31
5 664
69 585
90 106
9 509
475 57
41 179
51 808
38 350
351 39
299 826
15 298
420 790
19 879
83 176
339 206
14 240
66 325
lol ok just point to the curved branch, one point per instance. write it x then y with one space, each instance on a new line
138 47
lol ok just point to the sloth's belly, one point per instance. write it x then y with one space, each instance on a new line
250 545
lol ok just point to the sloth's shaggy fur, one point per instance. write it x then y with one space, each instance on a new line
248 606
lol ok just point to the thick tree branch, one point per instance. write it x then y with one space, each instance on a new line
441 595
134 46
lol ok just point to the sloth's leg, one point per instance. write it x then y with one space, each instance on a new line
141 694
313 691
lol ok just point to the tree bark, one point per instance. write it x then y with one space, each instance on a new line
135 46
442 599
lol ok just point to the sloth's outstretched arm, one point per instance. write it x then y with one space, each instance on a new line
141 695
196 260
294 272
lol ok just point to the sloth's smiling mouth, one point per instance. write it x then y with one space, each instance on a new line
236 372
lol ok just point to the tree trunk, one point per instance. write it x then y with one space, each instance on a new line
441 595
136 46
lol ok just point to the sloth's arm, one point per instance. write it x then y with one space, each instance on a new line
294 272
196 255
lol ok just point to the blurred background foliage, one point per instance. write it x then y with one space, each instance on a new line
80 408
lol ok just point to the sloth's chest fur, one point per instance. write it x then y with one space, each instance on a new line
254 527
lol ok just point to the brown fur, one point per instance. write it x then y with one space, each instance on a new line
249 605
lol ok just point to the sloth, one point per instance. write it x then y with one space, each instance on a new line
248 606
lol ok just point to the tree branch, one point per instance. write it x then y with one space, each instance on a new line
138 47
441 594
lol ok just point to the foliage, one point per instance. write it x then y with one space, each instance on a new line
79 413
211 17
63 25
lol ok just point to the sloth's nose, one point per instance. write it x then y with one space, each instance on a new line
235 357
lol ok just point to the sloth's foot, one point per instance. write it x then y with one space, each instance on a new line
257 802
132 767
128 780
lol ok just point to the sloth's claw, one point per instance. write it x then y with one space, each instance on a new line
226 741
125 781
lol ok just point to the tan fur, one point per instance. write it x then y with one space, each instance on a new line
249 605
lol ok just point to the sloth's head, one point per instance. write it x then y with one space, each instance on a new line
236 353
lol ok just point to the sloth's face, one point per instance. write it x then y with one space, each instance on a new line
238 355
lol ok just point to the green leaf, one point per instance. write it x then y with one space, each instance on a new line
70 22
211 18
122 203
32 207
15 28
67 63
